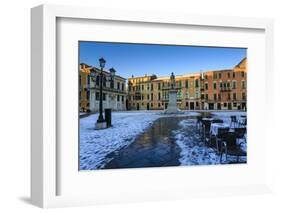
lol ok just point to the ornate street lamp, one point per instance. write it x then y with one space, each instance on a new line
112 72
100 118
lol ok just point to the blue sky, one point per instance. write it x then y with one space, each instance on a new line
141 59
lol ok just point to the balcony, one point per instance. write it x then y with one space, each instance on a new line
225 89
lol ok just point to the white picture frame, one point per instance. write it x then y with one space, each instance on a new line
44 154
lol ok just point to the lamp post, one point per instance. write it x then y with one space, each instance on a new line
102 64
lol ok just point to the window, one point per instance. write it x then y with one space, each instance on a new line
219 96
219 75
202 96
122 86
97 96
215 75
243 84
186 83
179 94
234 104
122 98
187 94
215 85
196 83
215 97
206 97
221 85
234 96
244 96
228 84
88 95
197 104
104 96
151 96
142 87
98 80
233 84
159 104
118 85
228 96
206 86
225 104
159 96
197 94
112 85
186 104
228 74
243 74
151 87
147 97
233 75
118 98
159 86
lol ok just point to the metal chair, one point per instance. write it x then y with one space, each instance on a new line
243 123
206 129
240 132
199 123
233 121
220 136
230 147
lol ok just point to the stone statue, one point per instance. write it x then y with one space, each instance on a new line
173 81
172 104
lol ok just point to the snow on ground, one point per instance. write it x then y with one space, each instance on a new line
193 150
96 145
225 115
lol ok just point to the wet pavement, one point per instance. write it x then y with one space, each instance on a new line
154 148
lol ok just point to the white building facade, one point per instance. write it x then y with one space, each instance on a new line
114 91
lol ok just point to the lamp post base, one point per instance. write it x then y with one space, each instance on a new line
100 125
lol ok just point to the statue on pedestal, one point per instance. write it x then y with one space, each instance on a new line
172 104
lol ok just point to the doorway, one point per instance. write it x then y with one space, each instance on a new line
191 105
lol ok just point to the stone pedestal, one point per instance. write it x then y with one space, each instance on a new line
100 125
172 104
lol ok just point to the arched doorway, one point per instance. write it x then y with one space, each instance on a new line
147 106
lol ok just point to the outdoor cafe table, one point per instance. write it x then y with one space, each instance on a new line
207 121
214 129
